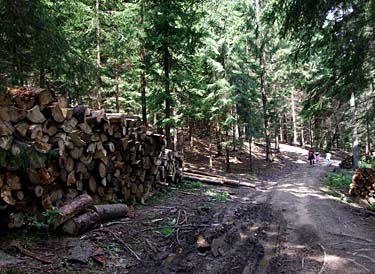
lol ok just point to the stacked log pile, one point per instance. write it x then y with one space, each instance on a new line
50 154
347 163
363 183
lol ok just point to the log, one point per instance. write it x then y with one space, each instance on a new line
81 223
42 146
56 113
6 195
45 177
75 136
102 169
24 102
21 128
49 127
86 159
6 142
38 191
72 208
76 152
85 128
111 211
80 112
35 116
13 181
216 181
71 180
1 180
33 175
70 125
6 128
92 184
12 114
20 195
35 132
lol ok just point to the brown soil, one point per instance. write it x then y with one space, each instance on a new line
285 225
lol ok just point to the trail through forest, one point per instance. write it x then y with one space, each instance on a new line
321 234
285 225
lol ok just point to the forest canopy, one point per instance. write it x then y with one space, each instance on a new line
286 71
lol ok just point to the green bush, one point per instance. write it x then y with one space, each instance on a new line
338 181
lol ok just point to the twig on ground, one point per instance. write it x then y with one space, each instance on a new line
175 226
353 237
362 250
177 223
360 265
366 257
353 242
324 259
117 223
151 246
125 245
188 193
303 262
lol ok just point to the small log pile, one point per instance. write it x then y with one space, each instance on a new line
363 183
50 153
347 163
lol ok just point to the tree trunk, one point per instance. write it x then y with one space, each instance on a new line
355 136
263 84
143 80
98 77
166 66
303 135
117 91
295 136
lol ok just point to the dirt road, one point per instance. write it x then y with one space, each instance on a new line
321 234
285 225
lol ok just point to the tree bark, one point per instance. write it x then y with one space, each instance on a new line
117 91
355 136
263 80
143 80
295 136
98 76
166 66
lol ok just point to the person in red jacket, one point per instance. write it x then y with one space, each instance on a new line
311 157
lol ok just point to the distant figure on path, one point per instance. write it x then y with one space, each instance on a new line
328 158
311 157
317 157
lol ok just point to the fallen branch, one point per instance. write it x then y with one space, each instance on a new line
25 252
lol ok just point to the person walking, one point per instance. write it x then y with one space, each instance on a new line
311 157
317 157
328 158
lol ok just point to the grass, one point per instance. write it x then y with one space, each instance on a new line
160 196
194 185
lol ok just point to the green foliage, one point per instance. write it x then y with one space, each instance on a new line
338 181
194 185
169 228
217 196
367 162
